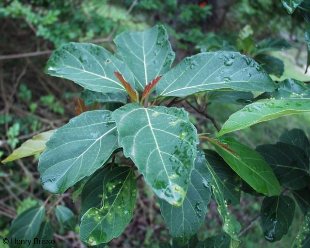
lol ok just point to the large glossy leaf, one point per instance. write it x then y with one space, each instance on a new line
291 5
277 214
302 198
162 143
249 165
184 221
264 110
100 225
303 237
224 191
90 66
31 147
91 97
148 54
26 226
289 163
77 150
214 71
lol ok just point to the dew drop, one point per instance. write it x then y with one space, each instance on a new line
205 183
228 62
227 79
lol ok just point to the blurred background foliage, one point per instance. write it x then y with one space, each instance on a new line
32 102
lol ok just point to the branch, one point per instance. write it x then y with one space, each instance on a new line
204 114
249 226
25 55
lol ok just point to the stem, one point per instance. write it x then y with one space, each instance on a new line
249 226
206 115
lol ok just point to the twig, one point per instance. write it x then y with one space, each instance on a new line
249 226
25 55
7 214
204 114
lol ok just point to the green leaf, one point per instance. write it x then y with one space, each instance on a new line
221 180
100 225
90 66
264 110
224 178
26 204
45 237
219 241
277 214
181 243
26 226
214 71
91 97
249 165
307 39
237 97
303 238
92 190
271 65
184 221
162 143
302 198
291 68
291 88
148 54
297 137
31 147
271 44
65 217
291 5
77 150
289 163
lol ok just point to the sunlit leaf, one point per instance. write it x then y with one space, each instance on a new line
31 147
264 110
249 165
